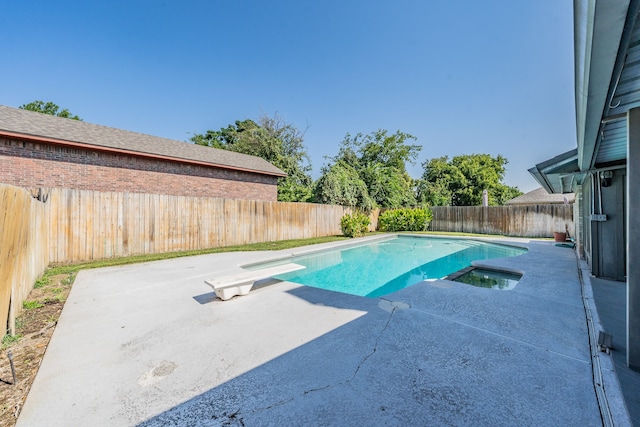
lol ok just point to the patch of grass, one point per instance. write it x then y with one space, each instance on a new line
7 340
72 269
41 282
31 305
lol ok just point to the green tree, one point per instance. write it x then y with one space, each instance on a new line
387 186
461 181
433 193
503 193
274 140
49 108
381 148
340 184
375 165
226 138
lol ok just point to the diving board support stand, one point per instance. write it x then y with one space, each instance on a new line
227 287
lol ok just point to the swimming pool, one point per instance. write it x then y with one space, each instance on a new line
385 266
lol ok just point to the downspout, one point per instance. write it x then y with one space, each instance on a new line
599 184
593 194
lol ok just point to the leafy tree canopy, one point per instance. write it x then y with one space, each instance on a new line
340 184
380 148
49 108
387 186
461 181
375 165
274 140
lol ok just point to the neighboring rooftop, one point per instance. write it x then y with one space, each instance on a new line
16 122
540 196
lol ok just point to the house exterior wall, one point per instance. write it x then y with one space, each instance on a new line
632 206
35 164
605 241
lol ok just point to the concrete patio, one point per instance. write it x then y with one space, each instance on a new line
151 345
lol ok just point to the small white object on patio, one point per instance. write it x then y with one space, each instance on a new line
227 287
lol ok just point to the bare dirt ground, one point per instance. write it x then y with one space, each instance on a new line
34 325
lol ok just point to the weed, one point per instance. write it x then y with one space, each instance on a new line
19 322
43 281
69 280
31 305
7 340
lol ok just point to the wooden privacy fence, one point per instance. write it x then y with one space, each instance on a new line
86 225
521 221
24 250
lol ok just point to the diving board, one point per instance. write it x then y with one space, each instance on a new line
227 287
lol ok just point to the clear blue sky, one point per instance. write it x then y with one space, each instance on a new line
463 77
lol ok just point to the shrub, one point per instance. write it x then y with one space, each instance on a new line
405 219
355 224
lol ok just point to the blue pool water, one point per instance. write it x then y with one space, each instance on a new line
383 267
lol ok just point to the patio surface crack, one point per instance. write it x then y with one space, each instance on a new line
375 346
348 381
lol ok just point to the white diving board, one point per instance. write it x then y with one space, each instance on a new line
227 287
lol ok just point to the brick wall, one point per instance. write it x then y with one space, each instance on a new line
35 164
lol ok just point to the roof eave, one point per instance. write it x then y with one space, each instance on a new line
541 179
598 29
551 172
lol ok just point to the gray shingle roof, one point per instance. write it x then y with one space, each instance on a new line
539 196
30 123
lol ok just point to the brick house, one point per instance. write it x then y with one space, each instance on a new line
39 150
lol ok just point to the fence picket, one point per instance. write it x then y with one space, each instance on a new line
24 250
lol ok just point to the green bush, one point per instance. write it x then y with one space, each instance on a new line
354 225
405 219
